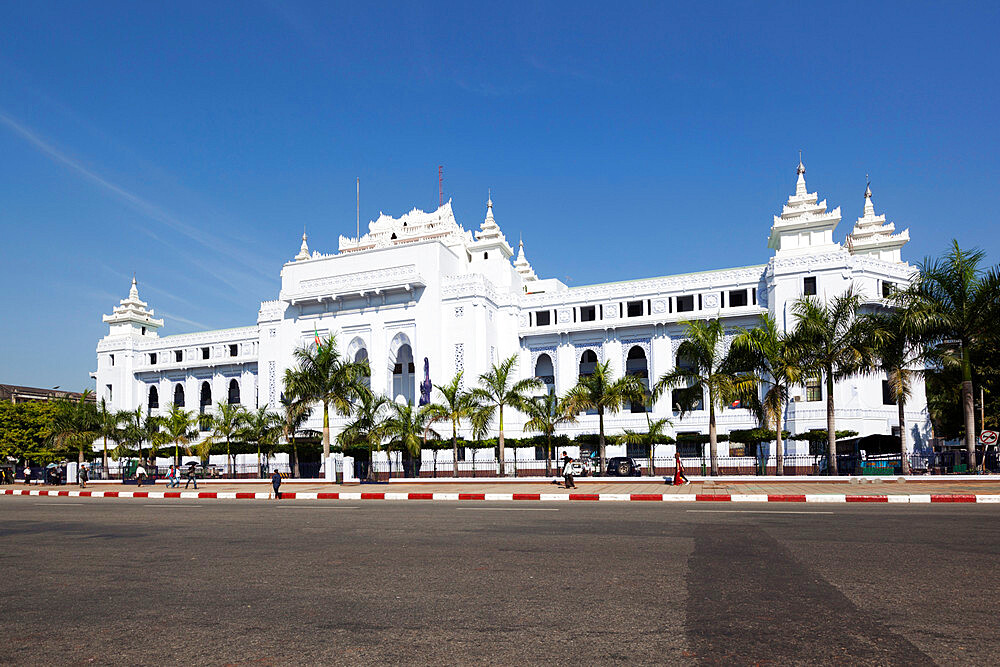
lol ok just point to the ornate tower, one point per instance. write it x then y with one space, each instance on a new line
804 226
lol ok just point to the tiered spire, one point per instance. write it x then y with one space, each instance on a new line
132 317
522 266
303 249
872 235
490 234
804 226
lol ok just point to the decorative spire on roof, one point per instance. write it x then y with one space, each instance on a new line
132 317
872 235
303 249
489 233
522 266
800 184
804 226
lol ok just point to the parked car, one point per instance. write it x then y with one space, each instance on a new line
623 466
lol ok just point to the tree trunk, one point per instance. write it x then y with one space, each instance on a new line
779 446
904 457
326 432
713 437
548 456
831 428
600 440
295 458
968 407
503 473
652 469
105 457
454 449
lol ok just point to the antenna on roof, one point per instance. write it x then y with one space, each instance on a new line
440 186
359 208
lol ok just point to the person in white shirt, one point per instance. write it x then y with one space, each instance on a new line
140 475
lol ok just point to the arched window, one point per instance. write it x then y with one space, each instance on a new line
545 373
154 397
361 356
690 398
234 392
179 395
486 255
206 396
393 237
402 375
636 365
588 361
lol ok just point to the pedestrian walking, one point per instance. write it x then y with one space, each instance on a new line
568 472
679 476
191 477
83 477
172 480
140 475
27 473
276 484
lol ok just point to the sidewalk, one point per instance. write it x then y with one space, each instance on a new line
877 490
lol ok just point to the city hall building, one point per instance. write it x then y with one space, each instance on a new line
422 288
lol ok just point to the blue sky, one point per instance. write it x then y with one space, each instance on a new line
190 142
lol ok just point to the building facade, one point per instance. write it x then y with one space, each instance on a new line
421 289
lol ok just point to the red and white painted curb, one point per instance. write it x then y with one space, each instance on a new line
614 497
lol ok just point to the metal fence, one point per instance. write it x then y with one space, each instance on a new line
937 463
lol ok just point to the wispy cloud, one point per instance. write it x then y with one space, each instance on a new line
183 320
142 205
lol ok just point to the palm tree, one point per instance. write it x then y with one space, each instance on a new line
179 428
545 414
322 375
722 373
654 435
228 423
955 303
138 428
295 412
774 355
263 427
367 429
601 392
406 428
497 389
835 341
901 354
455 406
76 425
108 427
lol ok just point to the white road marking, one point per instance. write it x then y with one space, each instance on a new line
757 512
510 509
59 503
316 507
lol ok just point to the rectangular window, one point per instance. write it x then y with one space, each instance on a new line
685 304
204 353
111 358
814 392
234 350
542 318
107 387
809 286
588 313
635 308
670 305
688 448
637 451
722 299
178 355
887 398
738 298
887 288
699 302
754 290
152 358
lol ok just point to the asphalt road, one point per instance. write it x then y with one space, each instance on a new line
171 582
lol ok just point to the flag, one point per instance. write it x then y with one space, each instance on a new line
319 343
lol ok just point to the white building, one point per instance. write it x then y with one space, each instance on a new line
422 287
